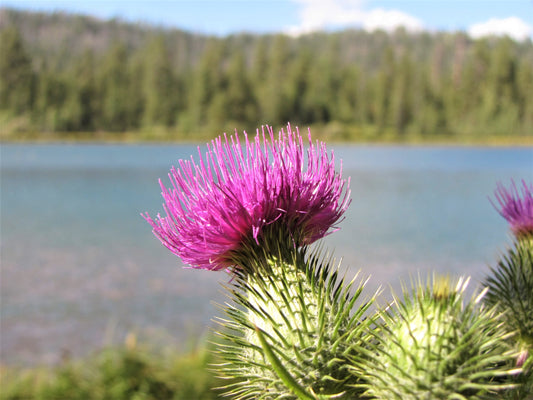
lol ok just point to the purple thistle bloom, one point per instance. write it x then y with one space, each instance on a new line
516 209
226 201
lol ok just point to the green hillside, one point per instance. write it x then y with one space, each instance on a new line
76 77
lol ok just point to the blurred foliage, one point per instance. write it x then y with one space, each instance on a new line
128 372
62 73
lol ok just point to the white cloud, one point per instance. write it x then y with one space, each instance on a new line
389 20
323 14
513 27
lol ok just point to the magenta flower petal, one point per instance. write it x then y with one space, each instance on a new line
218 205
516 207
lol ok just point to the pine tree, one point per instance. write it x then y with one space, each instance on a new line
114 87
498 105
524 90
240 100
208 80
297 87
401 96
51 95
159 86
381 87
274 99
17 79
350 99
87 91
321 96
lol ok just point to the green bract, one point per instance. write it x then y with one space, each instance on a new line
293 330
511 292
436 345
511 289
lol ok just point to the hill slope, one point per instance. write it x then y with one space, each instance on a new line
71 73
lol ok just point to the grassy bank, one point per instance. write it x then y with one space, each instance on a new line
120 373
333 133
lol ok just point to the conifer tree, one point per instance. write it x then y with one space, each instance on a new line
16 74
382 85
159 88
401 95
274 97
240 101
114 82
208 80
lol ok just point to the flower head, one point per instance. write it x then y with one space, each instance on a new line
515 208
229 198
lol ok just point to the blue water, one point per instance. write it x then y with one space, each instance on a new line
80 268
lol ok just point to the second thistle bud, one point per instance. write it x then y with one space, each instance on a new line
436 345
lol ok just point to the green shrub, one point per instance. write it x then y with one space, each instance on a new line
119 373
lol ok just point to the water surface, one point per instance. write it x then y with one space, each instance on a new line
80 267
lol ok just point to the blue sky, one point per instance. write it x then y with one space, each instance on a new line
222 17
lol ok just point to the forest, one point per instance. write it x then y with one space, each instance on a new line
77 77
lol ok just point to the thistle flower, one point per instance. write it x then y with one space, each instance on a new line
238 197
515 208
434 345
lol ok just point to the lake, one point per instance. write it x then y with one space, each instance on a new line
80 268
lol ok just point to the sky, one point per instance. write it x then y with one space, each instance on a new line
295 17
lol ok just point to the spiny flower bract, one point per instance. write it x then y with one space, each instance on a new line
436 345
222 204
295 324
516 208
510 286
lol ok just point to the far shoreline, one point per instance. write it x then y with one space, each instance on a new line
129 138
